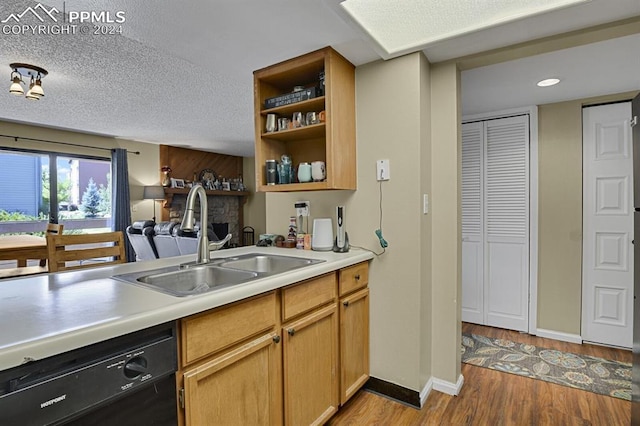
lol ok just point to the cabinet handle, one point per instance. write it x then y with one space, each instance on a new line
345 304
291 331
357 277
276 339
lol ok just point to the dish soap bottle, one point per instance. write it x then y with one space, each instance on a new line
292 229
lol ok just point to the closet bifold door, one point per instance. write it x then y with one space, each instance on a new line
472 223
506 230
495 222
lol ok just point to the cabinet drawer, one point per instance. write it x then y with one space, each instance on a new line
209 332
354 277
307 295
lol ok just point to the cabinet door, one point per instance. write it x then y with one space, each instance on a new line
354 343
310 367
241 387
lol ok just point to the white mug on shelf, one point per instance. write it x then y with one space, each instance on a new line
318 171
271 123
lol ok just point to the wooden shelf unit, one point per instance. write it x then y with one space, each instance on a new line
333 141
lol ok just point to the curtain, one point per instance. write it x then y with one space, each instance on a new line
120 196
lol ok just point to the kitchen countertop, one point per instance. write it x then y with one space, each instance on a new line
49 314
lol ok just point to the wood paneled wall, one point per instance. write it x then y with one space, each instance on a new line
185 162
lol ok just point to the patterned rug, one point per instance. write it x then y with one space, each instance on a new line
584 372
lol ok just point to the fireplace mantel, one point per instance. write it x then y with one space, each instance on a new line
170 192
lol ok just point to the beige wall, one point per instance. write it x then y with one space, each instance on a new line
394 101
143 168
388 127
560 213
445 210
559 216
254 208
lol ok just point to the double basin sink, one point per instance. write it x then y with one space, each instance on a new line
191 279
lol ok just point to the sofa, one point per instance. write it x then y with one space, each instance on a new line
152 240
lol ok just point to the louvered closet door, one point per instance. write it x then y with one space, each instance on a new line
506 211
495 222
472 228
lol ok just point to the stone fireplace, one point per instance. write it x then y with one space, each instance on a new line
222 209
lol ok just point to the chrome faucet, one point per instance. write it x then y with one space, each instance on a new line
188 223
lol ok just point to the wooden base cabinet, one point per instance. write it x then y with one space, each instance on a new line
310 350
310 368
354 343
354 329
241 387
291 356
231 364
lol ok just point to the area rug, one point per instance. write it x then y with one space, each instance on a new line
584 372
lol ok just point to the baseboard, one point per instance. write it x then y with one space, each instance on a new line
410 397
424 394
448 387
393 391
558 335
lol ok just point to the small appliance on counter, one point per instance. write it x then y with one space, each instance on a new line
341 243
322 234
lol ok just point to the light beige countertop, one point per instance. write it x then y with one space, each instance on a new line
49 314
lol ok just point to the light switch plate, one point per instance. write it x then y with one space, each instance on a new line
383 170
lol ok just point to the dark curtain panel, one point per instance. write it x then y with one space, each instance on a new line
120 196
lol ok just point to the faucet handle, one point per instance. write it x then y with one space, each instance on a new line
216 245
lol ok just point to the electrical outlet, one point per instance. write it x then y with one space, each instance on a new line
383 170
425 203
303 208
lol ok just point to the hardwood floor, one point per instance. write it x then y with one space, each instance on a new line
489 397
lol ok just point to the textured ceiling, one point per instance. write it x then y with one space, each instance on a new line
181 72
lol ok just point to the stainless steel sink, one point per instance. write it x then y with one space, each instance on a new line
267 264
190 279
186 282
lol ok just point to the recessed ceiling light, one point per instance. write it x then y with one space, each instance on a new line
548 82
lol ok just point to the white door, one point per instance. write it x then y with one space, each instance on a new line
607 253
495 223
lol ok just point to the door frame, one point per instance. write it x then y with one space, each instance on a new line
532 111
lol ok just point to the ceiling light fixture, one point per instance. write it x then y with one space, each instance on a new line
36 75
548 82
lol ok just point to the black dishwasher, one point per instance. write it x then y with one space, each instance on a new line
128 380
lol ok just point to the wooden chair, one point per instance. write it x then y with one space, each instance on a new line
85 250
52 228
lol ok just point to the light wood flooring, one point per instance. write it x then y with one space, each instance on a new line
490 397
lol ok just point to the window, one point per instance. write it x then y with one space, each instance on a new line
37 187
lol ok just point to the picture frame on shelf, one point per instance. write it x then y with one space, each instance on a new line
177 183
226 186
